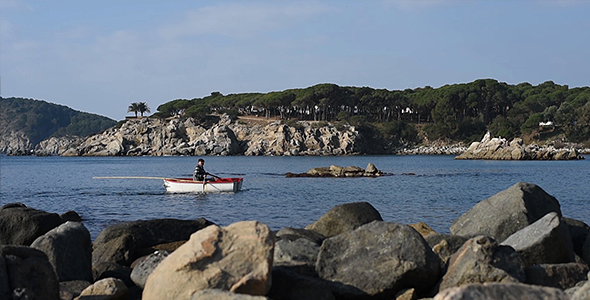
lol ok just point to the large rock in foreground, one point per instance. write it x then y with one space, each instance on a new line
20 225
25 273
481 260
500 149
380 259
124 242
506 212
69 250
345 217
236 258
547 241
504 291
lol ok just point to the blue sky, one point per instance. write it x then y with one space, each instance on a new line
100 56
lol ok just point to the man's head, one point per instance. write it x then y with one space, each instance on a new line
201 161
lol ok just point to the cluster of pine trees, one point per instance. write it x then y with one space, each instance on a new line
457 111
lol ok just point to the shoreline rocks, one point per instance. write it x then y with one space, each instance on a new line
500 149
227 136
157 137
350 252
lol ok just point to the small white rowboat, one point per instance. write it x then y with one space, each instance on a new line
187 185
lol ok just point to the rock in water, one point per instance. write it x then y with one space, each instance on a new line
235 258
379 258
506 212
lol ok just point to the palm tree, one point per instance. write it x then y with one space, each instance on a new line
134 107
143 107
140 107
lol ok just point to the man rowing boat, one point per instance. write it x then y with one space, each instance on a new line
200 173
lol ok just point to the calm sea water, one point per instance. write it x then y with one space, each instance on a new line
441 189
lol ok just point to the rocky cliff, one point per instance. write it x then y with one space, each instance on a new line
501 149
227 137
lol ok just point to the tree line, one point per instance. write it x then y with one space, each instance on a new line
458 111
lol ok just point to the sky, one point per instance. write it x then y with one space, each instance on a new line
101 56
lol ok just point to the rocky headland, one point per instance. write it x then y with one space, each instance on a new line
501 149
514 245
156 137
227 136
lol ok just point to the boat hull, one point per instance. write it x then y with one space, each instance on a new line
187 185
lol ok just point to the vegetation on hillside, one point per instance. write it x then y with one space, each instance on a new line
39 119
461 112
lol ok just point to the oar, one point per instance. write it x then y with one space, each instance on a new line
128 177
214 175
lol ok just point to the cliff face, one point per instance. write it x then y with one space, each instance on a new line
185 137
14 143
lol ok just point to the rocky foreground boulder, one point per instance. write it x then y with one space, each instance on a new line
501 149
380 259
236 258
25 273
344 218
506 212
21 225
348 253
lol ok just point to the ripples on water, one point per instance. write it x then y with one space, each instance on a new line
440 190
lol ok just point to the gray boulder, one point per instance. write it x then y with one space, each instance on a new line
380 259
481 260
69 290
236 258
445 245
298 249
561 276
290 285
69 251
579 232
124 242
581 292
292 234
299 254
345 217
25 273
20 225
546 241
105 289
214 294
140 273
506 212
504 291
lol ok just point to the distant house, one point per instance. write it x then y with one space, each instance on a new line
546 124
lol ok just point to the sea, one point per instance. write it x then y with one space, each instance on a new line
431 189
